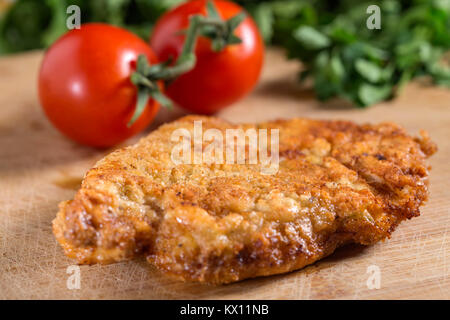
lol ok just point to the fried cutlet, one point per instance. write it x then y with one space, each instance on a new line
337 183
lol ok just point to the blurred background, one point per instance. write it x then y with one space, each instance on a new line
342 56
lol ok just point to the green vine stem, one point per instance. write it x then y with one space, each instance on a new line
146 76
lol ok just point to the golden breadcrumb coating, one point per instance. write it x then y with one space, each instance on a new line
337 183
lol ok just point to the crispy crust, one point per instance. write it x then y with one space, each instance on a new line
337 183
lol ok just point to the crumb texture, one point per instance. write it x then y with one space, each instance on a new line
337 183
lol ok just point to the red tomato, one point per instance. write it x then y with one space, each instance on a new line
218 79
84 84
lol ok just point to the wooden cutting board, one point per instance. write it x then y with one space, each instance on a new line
39 168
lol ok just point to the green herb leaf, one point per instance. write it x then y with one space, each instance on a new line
310 38
264 18
370 94
368 70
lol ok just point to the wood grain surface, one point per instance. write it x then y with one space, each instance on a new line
39 168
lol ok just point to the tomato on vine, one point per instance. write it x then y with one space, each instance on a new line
229 56
101 84
85 86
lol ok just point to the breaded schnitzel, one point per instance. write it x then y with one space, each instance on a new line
337 183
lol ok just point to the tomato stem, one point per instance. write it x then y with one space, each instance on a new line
183 66
221 33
